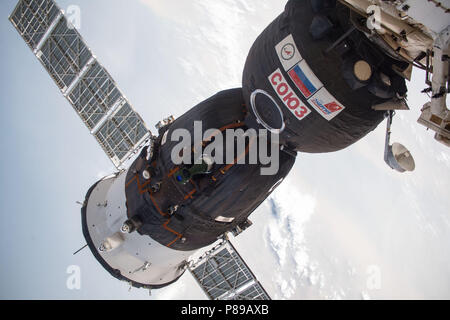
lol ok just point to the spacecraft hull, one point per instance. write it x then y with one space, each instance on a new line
210 204
306 61
138 260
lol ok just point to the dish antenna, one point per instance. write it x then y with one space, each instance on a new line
397 156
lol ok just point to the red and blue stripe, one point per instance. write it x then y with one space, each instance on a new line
302 82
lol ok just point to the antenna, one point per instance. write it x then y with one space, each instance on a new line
397 156
80 249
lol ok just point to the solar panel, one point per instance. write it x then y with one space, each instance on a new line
87 85
120 132
94 95
64 54
223 275
253 292
33 18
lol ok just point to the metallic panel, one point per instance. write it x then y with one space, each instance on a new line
32 18
121 132
64 54
253 292
94 95
223 275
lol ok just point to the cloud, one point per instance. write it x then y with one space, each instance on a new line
284 235
176 290
176 11
287 288
215 37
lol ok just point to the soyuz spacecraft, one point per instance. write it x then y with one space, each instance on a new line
320 77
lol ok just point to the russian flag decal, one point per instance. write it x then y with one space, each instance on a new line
305 80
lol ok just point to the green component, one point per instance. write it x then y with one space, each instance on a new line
184 175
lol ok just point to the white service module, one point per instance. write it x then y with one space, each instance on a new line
139 259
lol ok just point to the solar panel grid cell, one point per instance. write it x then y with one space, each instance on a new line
32 19
120 132
64 54
94 95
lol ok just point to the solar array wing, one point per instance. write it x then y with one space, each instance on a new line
223 275
87 85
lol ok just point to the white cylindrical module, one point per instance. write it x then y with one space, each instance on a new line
131 257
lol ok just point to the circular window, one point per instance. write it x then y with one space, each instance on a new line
267 111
